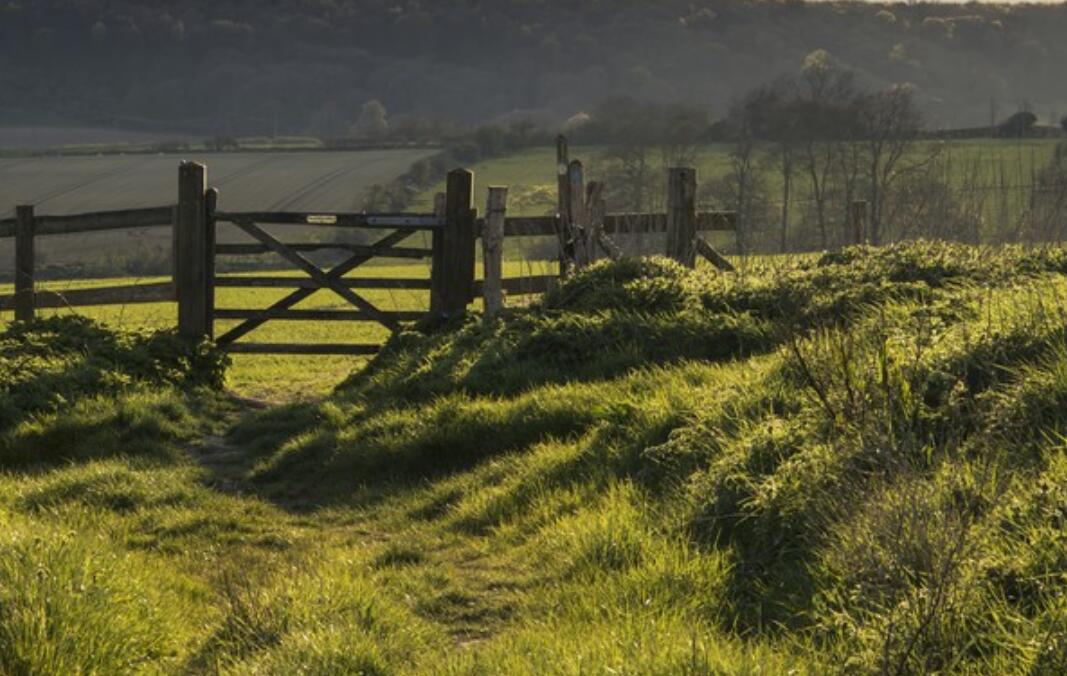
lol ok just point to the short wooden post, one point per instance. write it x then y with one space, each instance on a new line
193 238
859 221
452 276
563 191
493 251
439 202
595 213
25 294
682 216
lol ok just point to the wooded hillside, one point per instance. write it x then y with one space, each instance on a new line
296 66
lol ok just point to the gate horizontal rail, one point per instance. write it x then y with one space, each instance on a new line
240 282
336 220
317 315
312 349
362 249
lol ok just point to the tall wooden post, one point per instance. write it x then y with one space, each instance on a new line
563 190
25 300
194 251
578 223
452 276
859 221
211 205
493 251
682 216
596 211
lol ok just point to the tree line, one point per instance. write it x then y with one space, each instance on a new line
233 67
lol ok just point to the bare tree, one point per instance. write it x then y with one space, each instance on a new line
743 189
769 113
890 123
827 115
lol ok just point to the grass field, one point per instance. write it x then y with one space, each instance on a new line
531 174
246 181
280 378
850 463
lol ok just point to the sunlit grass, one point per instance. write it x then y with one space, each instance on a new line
789 510
273 377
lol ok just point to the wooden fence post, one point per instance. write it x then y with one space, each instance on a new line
194 253
437 243
211 205
439 205
452 276
563 204
25 293
859 221
578 222
682 216
493 251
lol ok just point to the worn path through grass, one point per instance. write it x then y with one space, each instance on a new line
467 591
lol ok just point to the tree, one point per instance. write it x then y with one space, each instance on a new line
889 121
641 140
769 113
372 122
827 116
1018 125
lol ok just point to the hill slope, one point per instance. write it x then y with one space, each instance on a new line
306 66
852 463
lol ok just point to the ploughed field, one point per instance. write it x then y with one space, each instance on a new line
319 181
850 462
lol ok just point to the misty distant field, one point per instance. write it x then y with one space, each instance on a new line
246 181
39 138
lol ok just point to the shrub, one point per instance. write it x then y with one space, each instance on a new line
48 363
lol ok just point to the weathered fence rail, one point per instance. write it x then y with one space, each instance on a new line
27 226
582 226
621 223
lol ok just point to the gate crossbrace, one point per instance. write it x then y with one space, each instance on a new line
317 274
295 297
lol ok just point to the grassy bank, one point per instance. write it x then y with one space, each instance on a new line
847 463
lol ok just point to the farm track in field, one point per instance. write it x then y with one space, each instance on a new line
315 186
242 172
323 181
42 200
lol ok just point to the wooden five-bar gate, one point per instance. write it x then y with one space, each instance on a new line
582 227
450 285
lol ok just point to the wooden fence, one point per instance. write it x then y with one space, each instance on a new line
27 226
583 228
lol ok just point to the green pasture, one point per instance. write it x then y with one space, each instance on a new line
996 166
278 378
851 462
